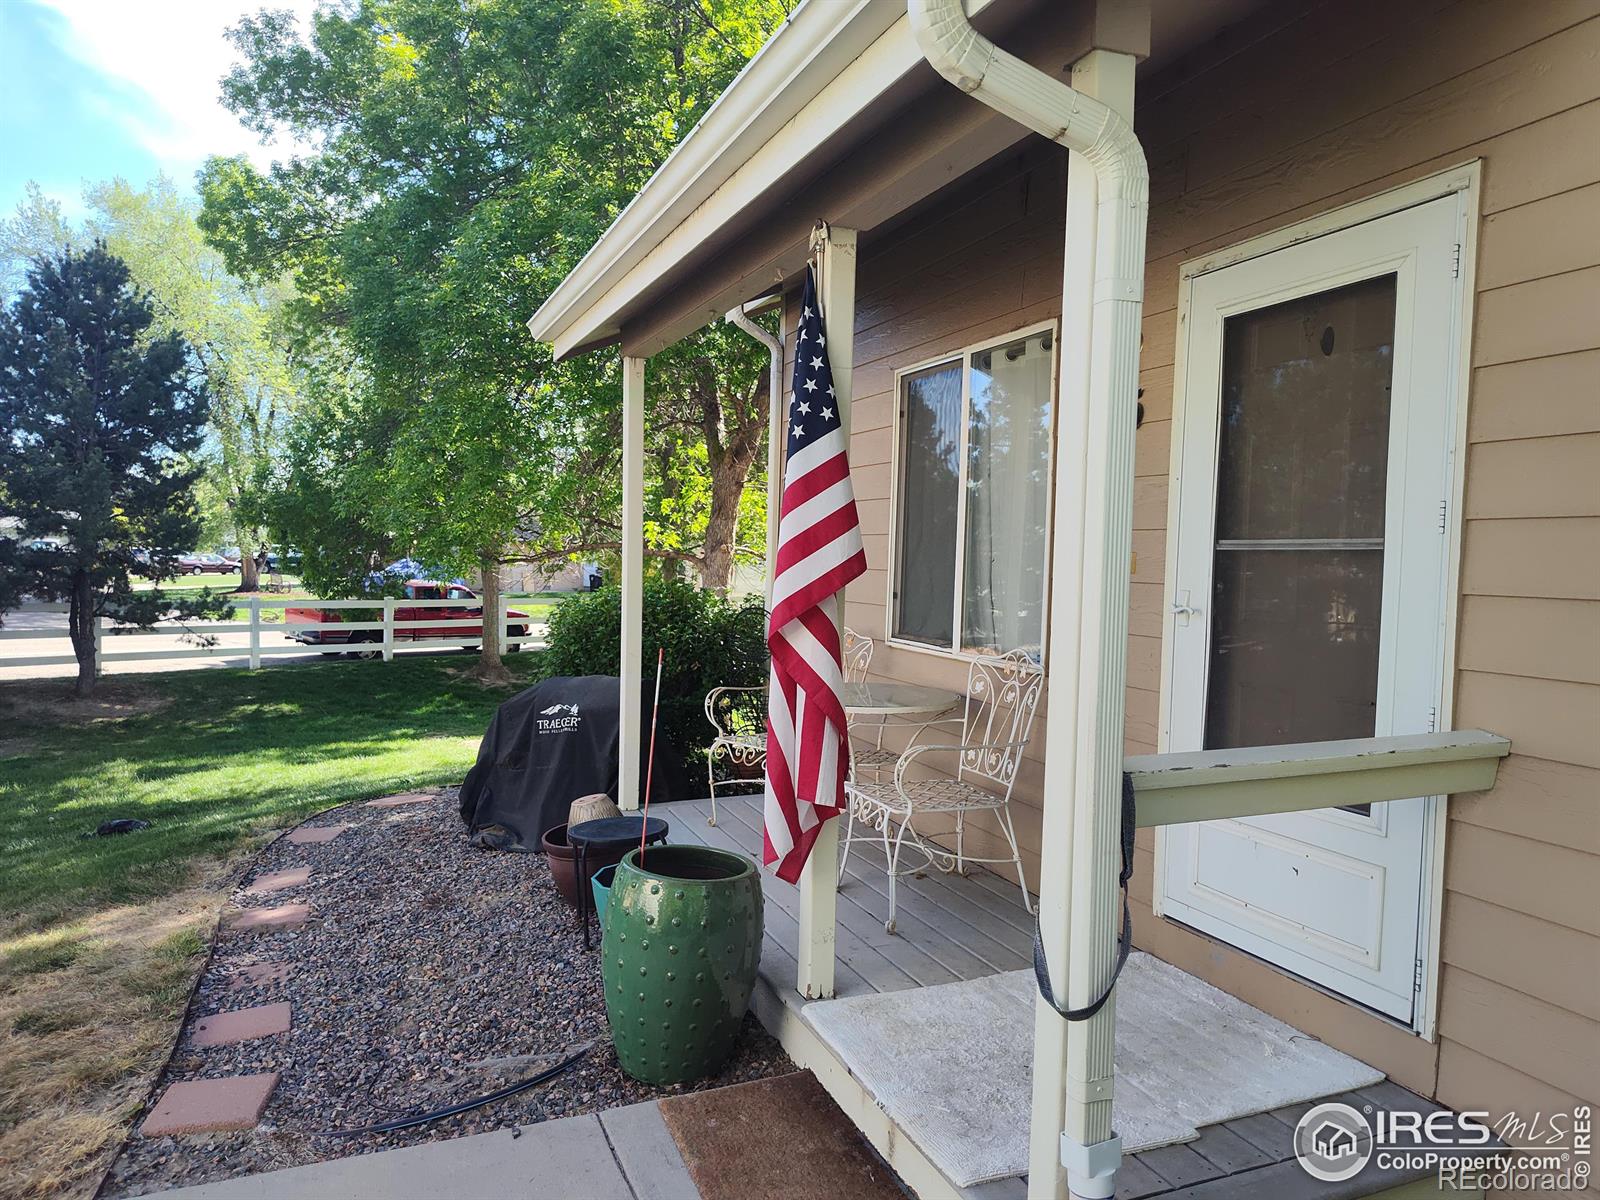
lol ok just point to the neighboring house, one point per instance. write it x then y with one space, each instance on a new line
1366 483
546 577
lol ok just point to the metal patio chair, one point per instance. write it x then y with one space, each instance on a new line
1002 699
870 758
857 655
739 715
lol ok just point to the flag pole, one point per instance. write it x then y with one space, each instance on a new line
650 762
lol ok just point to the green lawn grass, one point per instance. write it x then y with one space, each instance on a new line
226 754
217 583
538 605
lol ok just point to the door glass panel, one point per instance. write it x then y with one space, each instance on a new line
1303 456
930 457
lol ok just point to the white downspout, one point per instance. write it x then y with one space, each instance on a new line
1079 911
775 424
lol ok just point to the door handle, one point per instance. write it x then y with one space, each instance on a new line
1182 609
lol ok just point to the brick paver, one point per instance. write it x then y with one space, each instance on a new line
398 801
279 880
241 1025
210 1105
311 835
284 916
259 974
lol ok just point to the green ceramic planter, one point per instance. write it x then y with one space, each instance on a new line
682 941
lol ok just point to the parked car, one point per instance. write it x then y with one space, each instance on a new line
204 564
232 554
329 633
289 560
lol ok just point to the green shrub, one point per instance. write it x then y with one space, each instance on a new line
709 642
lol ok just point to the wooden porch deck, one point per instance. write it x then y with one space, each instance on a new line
950 928
957 928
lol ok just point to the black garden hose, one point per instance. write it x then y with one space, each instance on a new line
439 1114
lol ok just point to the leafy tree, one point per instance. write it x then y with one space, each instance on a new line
96 419
467 156
35 230
235 332
331 499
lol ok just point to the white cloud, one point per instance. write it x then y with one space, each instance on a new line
176 54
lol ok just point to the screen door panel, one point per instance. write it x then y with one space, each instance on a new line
1308 582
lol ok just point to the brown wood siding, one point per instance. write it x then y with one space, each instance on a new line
1517 87
1343 102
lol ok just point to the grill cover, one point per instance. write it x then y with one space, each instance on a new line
544 749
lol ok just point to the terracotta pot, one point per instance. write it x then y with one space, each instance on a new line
563 863
679 954
563 860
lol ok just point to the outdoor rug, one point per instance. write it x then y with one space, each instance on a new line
774 1139
953 1064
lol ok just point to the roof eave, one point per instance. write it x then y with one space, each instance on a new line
788 74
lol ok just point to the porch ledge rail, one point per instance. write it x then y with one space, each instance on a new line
1254 781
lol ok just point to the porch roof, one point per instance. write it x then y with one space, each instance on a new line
727 217
779 118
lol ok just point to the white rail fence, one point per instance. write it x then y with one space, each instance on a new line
392 631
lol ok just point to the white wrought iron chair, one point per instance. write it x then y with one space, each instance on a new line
739 715
1002 699
867 755
857 655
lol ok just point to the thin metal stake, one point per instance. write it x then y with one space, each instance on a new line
650 762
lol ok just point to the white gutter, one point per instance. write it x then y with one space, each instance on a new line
775 427
1079 909
1080 123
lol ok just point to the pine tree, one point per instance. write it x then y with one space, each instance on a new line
96 419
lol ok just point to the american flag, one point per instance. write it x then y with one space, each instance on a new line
818 552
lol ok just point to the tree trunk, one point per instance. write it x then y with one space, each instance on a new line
80 626
249 574
490 668
728 477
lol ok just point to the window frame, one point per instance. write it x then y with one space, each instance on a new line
963 356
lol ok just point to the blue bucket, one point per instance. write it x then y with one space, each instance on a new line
600 881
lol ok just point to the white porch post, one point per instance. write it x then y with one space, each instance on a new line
1079 917
632 581
819 882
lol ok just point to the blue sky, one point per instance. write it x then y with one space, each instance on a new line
90 89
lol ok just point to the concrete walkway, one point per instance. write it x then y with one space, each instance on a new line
623 1154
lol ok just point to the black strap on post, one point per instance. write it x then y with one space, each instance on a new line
1041 969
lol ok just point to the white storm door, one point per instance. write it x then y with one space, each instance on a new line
1309 582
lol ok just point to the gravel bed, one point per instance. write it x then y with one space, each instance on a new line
429 973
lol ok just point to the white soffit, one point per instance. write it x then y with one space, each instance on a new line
830 62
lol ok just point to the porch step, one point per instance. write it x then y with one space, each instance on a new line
950 1066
